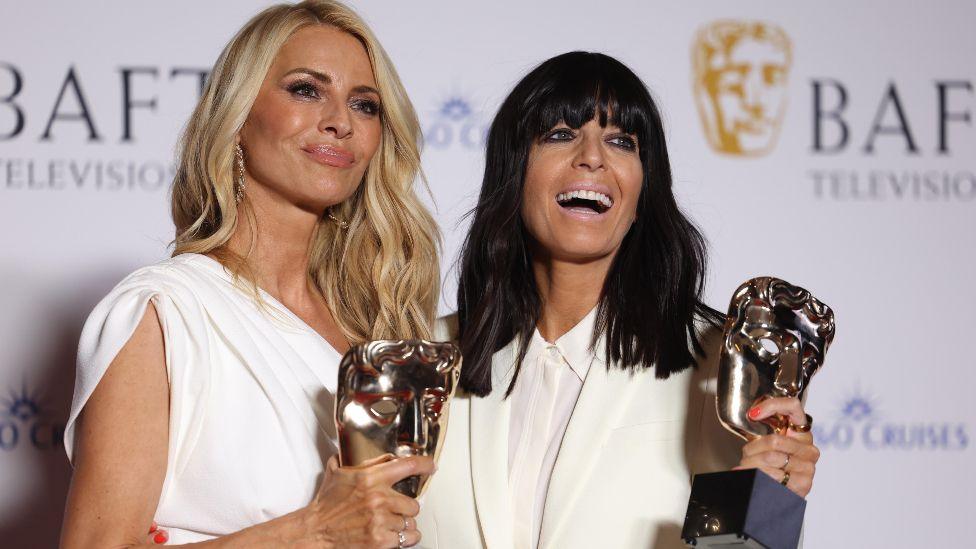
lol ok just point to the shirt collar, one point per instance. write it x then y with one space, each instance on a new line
574 345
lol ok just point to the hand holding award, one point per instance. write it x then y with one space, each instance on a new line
775 339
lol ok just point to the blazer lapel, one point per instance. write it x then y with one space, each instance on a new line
489 454
603 398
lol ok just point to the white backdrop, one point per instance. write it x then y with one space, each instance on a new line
883 234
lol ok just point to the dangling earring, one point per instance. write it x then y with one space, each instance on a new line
239 187
342 224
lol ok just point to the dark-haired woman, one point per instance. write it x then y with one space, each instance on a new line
588 403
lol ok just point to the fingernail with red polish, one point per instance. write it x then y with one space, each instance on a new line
161 537
153 527
754 412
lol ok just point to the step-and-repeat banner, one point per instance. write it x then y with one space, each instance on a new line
830 143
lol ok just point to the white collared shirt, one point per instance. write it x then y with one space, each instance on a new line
543 399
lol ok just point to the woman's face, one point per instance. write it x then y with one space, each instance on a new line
315 124
581 191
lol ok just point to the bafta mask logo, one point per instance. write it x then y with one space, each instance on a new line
393 398
740 71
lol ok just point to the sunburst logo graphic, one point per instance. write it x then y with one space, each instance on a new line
23 405
857 409
455 121
859 406
455 108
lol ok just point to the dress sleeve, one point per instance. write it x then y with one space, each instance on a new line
186 342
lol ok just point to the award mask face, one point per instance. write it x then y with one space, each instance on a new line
775 339
740 81
393 398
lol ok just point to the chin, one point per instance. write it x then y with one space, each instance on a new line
582 253
327 196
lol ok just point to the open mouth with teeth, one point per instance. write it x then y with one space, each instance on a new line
586 202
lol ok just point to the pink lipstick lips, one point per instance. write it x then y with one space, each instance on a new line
330 156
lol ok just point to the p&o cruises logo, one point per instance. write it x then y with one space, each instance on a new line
456 123
24 419
862 426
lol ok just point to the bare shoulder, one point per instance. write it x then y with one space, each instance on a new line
121 444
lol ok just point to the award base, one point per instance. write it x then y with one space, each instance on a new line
742 509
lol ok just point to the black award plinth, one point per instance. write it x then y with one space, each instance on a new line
742 509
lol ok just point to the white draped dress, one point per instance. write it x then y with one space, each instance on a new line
251 395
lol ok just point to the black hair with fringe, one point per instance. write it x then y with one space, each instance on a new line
651 297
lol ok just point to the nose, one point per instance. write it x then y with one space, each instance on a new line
753 94
336 120
412 432
589 154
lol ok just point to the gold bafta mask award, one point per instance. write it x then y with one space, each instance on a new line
393 398
740 71
775 338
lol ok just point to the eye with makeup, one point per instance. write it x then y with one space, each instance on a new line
303 89
365 105
623 140
558 135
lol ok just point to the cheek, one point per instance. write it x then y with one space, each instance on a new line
372 136
535 192
631 179
272 123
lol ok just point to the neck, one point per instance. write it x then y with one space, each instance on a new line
276 245
569 291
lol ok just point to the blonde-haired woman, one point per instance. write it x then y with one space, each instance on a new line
205 383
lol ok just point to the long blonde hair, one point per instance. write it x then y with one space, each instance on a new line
380 276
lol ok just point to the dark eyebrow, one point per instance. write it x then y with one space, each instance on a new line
326 79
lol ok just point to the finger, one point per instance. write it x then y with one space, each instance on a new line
332 465
153 527
373 461
805 438
801 467
774 443
784 444
770 460
800 483
410 538
401 504
776 474
396 523
393 471
789 407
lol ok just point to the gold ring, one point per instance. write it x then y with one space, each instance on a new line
802 428
786 478
787 464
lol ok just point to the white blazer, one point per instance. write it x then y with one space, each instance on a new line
623 471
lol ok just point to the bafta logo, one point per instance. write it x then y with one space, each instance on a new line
740 71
